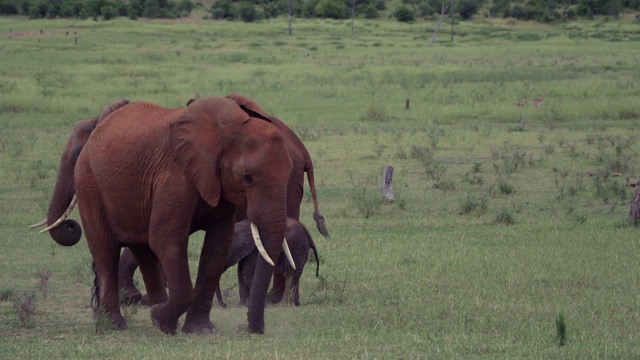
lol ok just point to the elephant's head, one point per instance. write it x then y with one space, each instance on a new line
68 232
229 152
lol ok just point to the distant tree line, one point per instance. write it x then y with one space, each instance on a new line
104 9
253 10
535 10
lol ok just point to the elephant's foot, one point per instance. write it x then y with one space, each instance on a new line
255 329
130 295
198 325
275 297
109 322
166 323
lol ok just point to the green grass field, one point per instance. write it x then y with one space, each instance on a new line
507 239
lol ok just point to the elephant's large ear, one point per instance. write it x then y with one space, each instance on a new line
250 106
196 140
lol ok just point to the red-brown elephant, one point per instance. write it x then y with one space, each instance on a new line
302 163
148 177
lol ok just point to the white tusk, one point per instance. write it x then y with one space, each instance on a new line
261 249
73 202
42 223
287 252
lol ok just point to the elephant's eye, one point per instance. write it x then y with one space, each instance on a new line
247 179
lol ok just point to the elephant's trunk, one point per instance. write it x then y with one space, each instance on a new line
68 233
272 234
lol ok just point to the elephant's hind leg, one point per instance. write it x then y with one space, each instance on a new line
105 252
126 268
151 273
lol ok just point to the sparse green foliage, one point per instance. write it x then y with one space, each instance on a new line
366 202
102 320
43 281
473 203
404 13
505 217
24 307
6 294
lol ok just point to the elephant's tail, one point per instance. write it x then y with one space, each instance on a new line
95 290
319 219
312 245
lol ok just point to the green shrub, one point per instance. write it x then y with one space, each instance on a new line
505 217
404 14
108 12
331 9
247 12
467 8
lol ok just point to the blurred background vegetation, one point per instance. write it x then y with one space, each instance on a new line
545 11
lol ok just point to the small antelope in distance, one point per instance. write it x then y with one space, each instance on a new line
537 102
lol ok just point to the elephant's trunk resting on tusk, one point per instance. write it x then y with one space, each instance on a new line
263 252
62 218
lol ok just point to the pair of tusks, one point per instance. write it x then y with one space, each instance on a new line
62 218
263 252
254 232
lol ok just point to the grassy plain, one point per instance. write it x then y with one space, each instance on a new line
497 231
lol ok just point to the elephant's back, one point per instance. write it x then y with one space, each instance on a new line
131 129
130 140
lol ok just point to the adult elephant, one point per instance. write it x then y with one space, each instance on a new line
301 161
244 254
148 177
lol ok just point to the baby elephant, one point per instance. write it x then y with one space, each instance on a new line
285 279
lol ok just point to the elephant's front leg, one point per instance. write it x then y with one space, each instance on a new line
215 250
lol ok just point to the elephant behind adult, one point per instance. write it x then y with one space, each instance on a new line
302 163
244 253
148 177
68 233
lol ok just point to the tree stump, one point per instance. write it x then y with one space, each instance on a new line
634 211
387 184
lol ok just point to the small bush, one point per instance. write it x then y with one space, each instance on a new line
473 203
6 294
366 202
24 306
505 217
43 279
376 112
404 14
109 12
331 9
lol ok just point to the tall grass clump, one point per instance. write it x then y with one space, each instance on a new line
24 307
